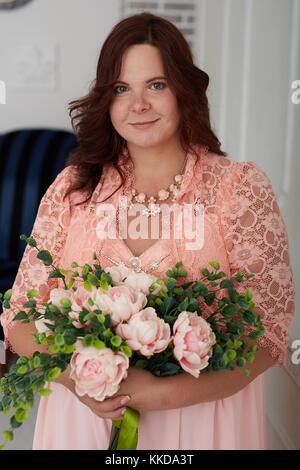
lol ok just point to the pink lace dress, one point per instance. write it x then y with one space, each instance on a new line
243 229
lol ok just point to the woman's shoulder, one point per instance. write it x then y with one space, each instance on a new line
226 168
58 189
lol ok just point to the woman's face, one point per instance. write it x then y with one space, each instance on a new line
143 97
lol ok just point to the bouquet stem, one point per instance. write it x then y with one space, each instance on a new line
124 432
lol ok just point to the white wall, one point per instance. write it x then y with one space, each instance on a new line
62 38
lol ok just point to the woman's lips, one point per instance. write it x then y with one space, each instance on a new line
144 126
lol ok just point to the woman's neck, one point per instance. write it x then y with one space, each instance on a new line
155 168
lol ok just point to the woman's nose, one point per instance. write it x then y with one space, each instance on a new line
139 103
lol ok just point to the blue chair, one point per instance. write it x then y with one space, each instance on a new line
30 159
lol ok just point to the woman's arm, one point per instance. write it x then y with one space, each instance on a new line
148 393
186 390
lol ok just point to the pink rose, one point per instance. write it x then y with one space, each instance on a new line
121 302
193 342
145 332
97 372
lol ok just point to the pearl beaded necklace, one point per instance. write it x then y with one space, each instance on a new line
151 202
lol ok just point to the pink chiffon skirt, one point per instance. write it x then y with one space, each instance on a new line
237 422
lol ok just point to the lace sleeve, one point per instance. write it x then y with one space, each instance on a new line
256 241
49 230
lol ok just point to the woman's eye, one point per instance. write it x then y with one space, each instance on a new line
117 88
161 85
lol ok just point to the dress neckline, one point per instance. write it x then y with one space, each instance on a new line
111 180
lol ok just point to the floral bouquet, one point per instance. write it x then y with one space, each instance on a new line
102 321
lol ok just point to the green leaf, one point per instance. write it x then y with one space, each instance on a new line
21 316
141 364
68 349
30 304
250 357
205 272
226 284
240 361
8 294
59 340
53 374
14 423
30 241
209 299
116 341
228 311
66 303
70 283
126 350
214 264
22 370
86 269
54 348
6 304
231 355
248 294
92 279
101 318
46 257
32 293
200 288
88 340
8 435
74 265
88 286
56 274
45 392
21 415
98 344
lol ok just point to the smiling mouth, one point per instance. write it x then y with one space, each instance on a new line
143 124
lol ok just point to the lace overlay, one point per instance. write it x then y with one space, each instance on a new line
243 230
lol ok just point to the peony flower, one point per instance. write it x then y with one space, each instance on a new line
193 341
40 324
56 295
79 301
140 281
118 274
121 302
97 372
145 332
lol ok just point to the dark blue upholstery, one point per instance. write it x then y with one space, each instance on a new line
30 159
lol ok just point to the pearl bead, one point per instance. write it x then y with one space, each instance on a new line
178 178
141 197
163 194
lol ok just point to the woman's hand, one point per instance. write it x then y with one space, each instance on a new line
111 408
143 389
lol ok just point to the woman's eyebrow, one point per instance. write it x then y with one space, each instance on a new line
147 81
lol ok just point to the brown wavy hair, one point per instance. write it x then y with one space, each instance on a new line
98 141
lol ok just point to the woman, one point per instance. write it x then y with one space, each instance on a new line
146 120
